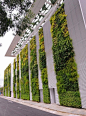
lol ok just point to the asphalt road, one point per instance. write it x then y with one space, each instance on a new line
10 108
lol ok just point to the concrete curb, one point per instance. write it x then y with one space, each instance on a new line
52 108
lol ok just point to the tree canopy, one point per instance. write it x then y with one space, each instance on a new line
5 22
14 14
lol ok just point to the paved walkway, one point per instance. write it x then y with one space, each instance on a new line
52 108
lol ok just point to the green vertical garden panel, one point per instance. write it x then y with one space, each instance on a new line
65 65
14 78
18 91
43 68
34 71
7 81
25 92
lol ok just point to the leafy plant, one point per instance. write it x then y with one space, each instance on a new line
25 92
18 91
65 66
34 71
71 99
7 81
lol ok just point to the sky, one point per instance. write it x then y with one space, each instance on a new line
4 60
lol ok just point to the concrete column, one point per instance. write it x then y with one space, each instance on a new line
39 71
16 76
19 74
49 58
29 70
11 79
52 95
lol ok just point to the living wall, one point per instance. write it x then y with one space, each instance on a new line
65 65
43 68
14 78
25 93
34 71
7 81
18 89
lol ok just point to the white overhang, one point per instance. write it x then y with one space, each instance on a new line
35 9
12 46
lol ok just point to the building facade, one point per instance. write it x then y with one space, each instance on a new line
50 65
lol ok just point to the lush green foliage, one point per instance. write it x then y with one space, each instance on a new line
34 71
5 22
19 20
18 91
10 19
65 66
7 81
70 98
42 60
25 94
14 78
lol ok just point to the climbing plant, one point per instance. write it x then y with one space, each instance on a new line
18 91
14 78
34 71
25 93
65 65
42 62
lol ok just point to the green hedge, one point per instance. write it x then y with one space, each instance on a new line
65 66
42 63
34 71
14 78
18 91
7 81
25 92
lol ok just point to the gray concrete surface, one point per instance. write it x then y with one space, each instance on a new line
10 108
51 108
